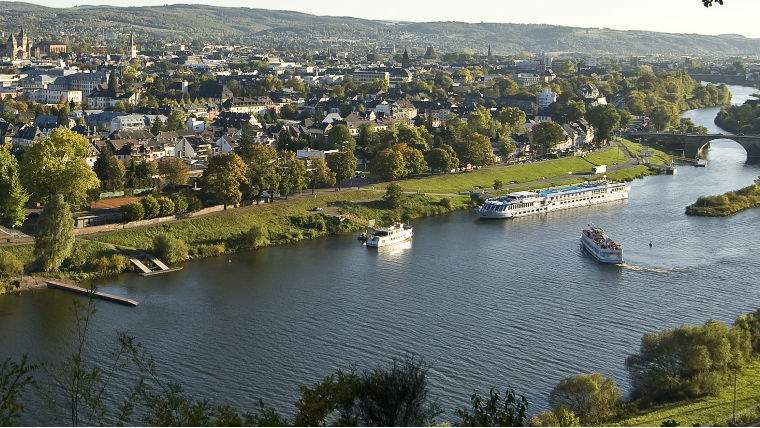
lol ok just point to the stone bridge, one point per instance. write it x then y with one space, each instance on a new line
693 145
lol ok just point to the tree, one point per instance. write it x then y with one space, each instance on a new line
343 164
441 160
110 171
263 168
15 378
512 118
475 149
574 110
174 170
13 197
592 397
496 411
394 195
397 395
294 175
686 362
389 164
606 120
157 126
169 249
414 160
339 137
223 177
480 121
709 3
176 121
57 165
547 135
320 175
665 115
55 233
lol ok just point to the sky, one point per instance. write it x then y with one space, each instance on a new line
676 16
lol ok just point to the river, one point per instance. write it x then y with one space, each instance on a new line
487 303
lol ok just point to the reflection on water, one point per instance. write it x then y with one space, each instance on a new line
488 303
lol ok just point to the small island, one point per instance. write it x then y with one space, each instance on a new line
728 203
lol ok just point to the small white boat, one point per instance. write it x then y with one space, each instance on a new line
599 245
385 236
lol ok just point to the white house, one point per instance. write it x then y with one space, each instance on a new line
546 98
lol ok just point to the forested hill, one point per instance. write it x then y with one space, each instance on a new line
104 24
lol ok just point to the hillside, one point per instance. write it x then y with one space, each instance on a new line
269 28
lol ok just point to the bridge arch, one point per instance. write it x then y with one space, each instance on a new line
694 145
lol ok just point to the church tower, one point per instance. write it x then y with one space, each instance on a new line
132 48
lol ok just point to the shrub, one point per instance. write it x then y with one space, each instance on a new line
170 250
194 204
498 185
592 397
10 266
133 212
115 263
208 250
180 203
254 238
151 207
165 206
446 203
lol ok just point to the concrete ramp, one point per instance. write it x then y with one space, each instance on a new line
140 265
160 264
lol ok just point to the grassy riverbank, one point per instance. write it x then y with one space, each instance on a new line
293 220
710 411
727 204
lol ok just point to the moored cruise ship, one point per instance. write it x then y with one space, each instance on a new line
521 204
599 245
395 234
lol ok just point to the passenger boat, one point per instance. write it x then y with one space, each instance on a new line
599 245
521 204
385 236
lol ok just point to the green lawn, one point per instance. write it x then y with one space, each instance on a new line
454 183
710 411
656 157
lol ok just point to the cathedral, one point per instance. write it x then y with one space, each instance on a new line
17 46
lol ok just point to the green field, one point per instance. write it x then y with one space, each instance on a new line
564 167
710 411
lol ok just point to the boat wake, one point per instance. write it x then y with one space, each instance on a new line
648 269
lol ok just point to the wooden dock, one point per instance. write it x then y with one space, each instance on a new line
85 292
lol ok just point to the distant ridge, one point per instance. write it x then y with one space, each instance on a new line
205 23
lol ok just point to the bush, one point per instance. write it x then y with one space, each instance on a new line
180 203
151 207
686 362
446 203
194 204
115 263
254 238
208 250
394 195
498 185
10 266
592 397
133 212
170 250
165 206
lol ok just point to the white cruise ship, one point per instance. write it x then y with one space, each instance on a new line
521 204
395 234
599 245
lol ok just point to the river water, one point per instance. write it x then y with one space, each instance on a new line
487 303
